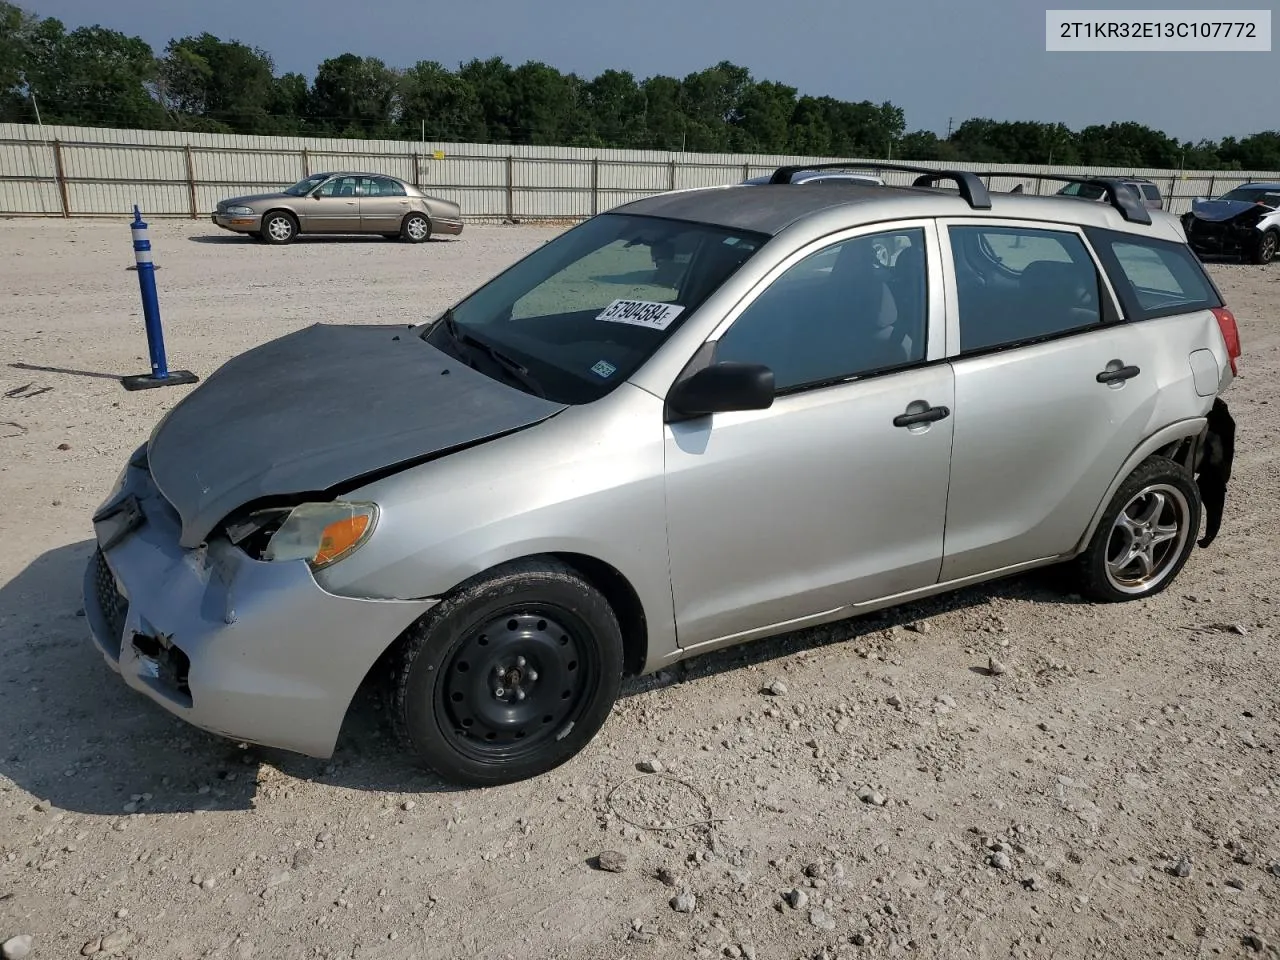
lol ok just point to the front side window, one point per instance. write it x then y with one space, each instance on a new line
585 310
853 308
1017 284
340 187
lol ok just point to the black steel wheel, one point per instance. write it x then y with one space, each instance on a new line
510 676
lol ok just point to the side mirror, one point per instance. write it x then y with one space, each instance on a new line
720 388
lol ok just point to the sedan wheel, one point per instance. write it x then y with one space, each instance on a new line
279 228
1267 246
416 228
510 677
1146 534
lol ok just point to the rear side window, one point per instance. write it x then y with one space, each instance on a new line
1154 278
1018 285
1151 191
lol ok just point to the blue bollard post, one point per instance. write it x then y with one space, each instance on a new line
160 375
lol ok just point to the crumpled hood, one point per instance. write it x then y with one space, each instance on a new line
320 407
1215 210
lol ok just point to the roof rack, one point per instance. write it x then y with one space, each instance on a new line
972 189
1119 194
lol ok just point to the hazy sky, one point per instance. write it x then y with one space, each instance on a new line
937 59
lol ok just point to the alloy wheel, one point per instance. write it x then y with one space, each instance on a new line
1147 538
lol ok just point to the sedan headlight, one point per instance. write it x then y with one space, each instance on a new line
322 533
240 211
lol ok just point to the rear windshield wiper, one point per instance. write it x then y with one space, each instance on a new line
514 368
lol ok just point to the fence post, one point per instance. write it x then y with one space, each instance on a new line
306 164
746 171
191 181
511 189
671 180
61 175
416 160
1212 178
595 185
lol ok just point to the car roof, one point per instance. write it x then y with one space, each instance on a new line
356 173
1262 184
771 208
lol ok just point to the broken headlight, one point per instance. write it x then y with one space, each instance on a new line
320 533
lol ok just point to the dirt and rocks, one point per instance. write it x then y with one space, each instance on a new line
1006 772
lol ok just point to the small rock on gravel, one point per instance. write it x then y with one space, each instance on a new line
1000 860
16 948
649 766
667 876
822 920
797 898
1255 942
873 797
1182 868
684 902
776 688
92 947
995 667
408 805
612 861
117 941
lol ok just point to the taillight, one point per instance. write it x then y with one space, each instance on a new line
1230 335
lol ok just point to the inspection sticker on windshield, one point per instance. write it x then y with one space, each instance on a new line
641 313
603 369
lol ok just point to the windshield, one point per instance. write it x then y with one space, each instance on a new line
1267 195
585 310
303 187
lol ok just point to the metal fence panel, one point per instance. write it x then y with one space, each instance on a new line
85 171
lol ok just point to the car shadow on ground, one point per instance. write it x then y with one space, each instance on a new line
77 738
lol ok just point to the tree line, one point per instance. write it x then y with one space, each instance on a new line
94 76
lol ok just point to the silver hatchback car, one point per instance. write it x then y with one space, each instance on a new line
591 467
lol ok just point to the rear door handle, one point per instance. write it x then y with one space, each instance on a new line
1119 374
931 415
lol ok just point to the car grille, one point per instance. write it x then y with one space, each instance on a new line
112 603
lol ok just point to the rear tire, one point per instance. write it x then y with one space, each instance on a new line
1145 536
510 676
279 227
1265 249
415 228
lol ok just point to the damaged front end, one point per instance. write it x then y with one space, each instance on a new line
1233 229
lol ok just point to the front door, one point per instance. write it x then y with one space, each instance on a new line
836 494
1038 435
334 209
383 205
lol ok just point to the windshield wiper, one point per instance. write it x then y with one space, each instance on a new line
514 368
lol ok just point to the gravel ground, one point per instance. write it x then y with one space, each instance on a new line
871 789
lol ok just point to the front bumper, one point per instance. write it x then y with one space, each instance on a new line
245 649
238 223
1220 237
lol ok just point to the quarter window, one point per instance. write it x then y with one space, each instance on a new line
1153 277
854 308
1016 285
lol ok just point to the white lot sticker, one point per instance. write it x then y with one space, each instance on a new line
604 368
641 313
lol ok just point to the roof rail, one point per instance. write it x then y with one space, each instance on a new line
971 187
1119 194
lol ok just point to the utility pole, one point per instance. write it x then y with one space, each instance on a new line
950 121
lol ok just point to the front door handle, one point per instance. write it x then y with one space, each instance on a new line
930 415
1118 374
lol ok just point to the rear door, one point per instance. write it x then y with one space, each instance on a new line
1051 395
383 205
335 209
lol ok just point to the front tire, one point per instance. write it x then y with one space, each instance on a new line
510 676
1265 249
416 228
279 227
1145 536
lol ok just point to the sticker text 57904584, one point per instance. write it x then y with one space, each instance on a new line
641 313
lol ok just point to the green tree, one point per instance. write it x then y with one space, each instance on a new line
228 83
440 102
617 107
492 83
354 97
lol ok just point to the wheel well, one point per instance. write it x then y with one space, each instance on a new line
625 602
414 213
288 213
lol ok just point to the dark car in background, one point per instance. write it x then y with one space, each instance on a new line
1244 223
